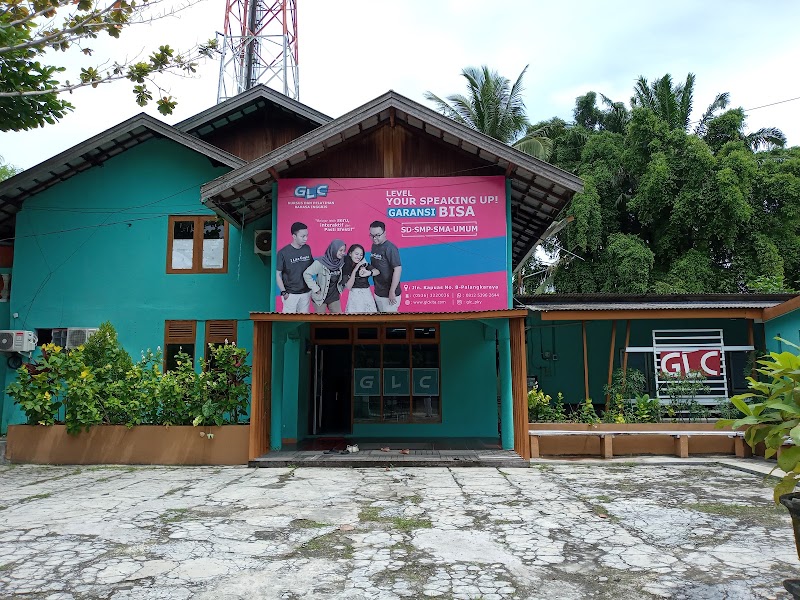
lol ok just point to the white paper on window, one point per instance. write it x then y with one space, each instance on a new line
212 253
182 251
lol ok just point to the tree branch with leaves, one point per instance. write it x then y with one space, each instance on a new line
31 89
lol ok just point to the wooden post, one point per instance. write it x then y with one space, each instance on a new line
611 362
534 442
585 362
260 389
607 446
751 342
742 448
519 382
625 355
682 446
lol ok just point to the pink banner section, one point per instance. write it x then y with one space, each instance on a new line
459 294
431 244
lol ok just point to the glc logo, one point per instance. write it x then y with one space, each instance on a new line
706 361
309 192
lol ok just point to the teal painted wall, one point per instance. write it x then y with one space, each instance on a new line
564 340
5 319
94 248
468 388
787 327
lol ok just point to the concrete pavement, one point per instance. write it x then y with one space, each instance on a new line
618 529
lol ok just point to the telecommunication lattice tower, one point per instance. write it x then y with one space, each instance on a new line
258 45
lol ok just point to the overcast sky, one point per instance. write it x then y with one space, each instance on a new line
354 50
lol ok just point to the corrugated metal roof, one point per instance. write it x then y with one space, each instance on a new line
595 302
648 305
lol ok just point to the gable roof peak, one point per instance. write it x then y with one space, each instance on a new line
227 110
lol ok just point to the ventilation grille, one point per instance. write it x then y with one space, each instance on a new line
180 332
217 332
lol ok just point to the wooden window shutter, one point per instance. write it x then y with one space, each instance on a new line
180 332
217 332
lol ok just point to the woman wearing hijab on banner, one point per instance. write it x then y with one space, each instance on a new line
324 278
355 274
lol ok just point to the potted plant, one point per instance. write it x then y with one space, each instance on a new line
772 416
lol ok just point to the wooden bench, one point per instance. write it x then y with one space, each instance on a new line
607 436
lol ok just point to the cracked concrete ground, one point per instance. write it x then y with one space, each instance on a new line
618 530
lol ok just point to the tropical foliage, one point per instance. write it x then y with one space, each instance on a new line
494 106
31 88
772 413
99 383
668 209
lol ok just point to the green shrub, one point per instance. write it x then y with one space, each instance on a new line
40 388
99 383
772 413
178 393
586 413
541 407
225 393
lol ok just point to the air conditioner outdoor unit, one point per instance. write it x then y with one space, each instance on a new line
59 337
72 337
263 242
77 336
17 341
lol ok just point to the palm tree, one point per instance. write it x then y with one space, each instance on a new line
730 127
673 103
495 107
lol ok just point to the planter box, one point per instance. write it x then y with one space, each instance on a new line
140 445
630 444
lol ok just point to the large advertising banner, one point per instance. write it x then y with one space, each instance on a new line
448 235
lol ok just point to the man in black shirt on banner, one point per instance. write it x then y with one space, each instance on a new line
293 259
386 258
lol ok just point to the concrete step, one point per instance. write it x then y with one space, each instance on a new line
372 458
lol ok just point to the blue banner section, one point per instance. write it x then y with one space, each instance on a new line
451 260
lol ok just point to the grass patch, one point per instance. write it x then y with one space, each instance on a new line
36 497
601 512
6 567
282 479
373 514
175 515
740 511
370 513
603 499
307 524
331 545
404 524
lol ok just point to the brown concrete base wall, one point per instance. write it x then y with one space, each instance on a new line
140 445
630 445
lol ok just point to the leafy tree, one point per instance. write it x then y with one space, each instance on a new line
673 103
729 127
31 89
494 106
7 170
670 210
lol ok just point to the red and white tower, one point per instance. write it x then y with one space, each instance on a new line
259 45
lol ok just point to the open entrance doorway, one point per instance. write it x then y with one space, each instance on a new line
332 375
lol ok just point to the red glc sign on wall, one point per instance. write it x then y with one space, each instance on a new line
705 361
